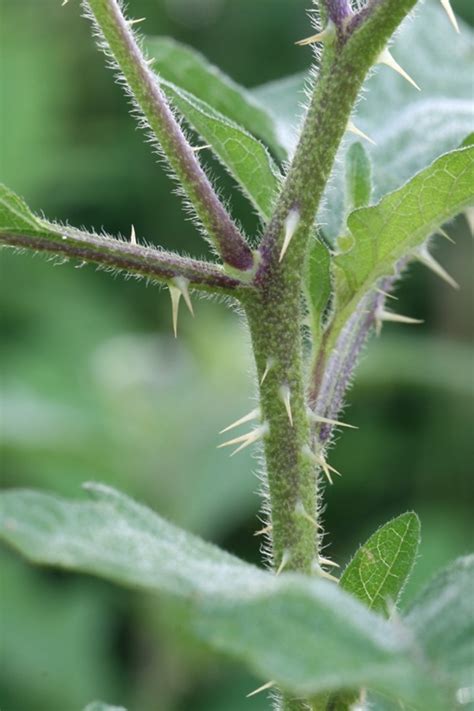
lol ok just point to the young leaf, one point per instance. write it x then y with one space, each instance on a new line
234 606
15 215
380 568
358 177
318 283
442 619
402 221
191 71
246 159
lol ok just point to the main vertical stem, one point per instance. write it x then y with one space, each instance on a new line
274 316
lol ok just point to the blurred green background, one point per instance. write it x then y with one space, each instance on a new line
95 387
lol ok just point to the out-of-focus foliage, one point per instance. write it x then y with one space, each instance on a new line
94 386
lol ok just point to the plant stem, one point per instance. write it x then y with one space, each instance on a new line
149 263
119 40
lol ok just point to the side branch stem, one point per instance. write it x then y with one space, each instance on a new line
146 262
144 87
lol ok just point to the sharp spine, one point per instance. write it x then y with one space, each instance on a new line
387 294
320 461
423 255
327 421
469 215
247 439
175 295
246 418
285 559
182 284
196 149
322 36
352 128
381 315
269 365
133 236
452 17
285 397
291 225
444 234
265 687
301 511
389 60
323 574
135 21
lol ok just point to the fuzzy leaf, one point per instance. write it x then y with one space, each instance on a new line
380 568
277 625
246 159
442 619
191 71
358 177
410 128
402 221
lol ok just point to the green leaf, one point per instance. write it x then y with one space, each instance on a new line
234 606
442 618
318 282
100 706
191 71
380 568
402 221
358 177
246 159
15 215
410 128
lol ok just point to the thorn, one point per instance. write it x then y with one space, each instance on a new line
182 284
322 36
291 225
263 531
469 215
175 294
449 11
320 461
196 149
326 561
133 237
301 511
444 234
388 59
285 397
385 293
268 367
424 256
246 418
246 439
135 21
266 686
64 2
325 420
285 559
382 315
150 61
352 128
322 573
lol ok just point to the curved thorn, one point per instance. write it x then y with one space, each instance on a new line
389 60
285 559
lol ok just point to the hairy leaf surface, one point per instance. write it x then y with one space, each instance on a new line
380 568
402 221
237 608
246 159
191 71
